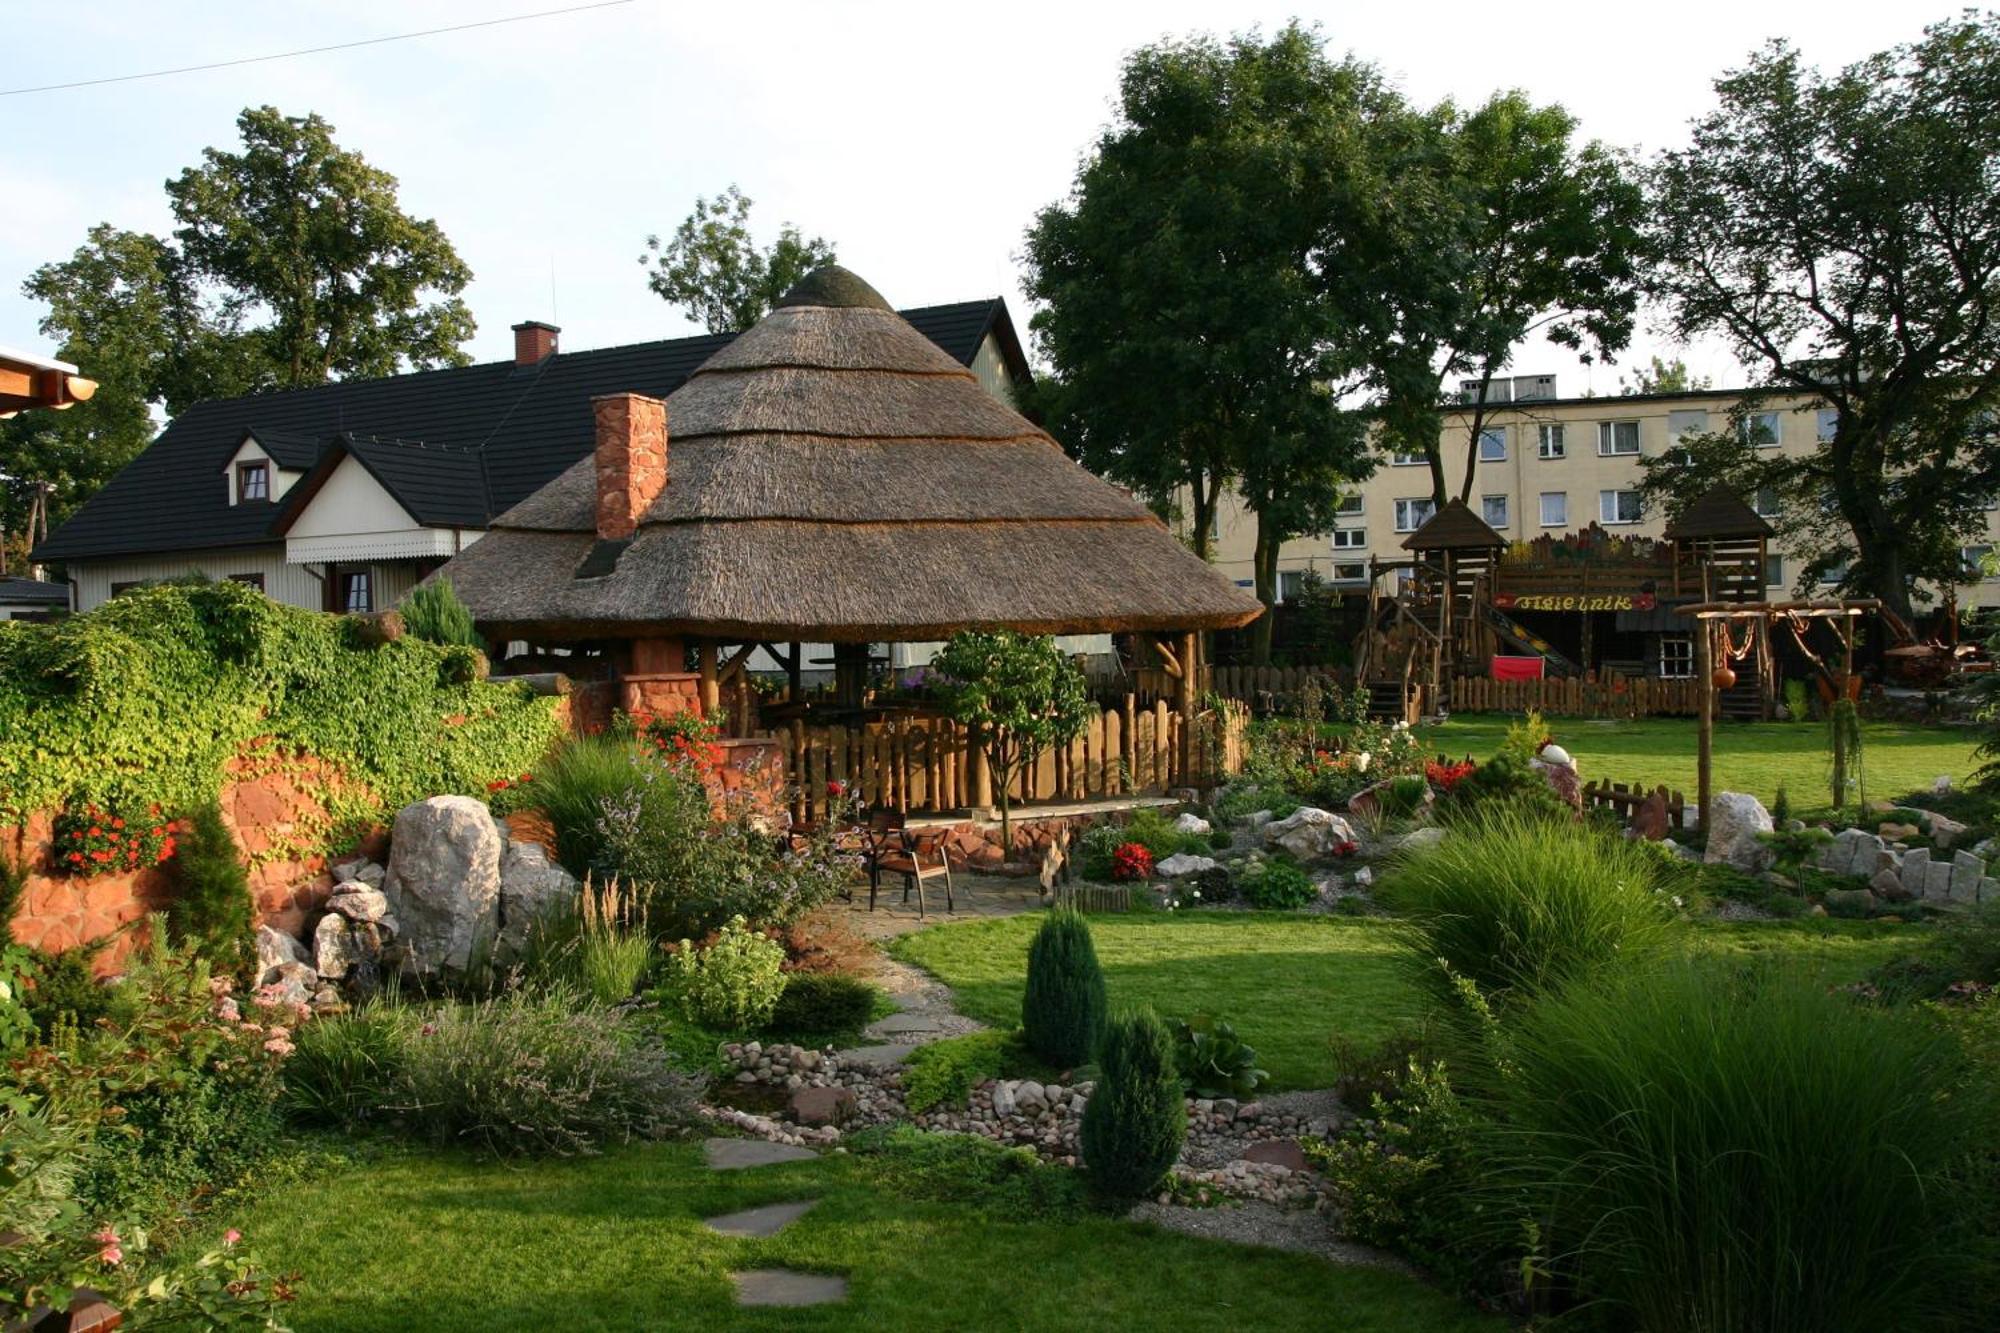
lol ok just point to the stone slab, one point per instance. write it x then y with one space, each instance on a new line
1283 1152
756 1223
876 1057
741 1154
897 1025
782 1286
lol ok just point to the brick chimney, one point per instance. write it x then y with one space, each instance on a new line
631 460
534 342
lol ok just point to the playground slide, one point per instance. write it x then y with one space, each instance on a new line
1527 640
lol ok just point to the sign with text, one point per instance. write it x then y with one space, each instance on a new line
1576 601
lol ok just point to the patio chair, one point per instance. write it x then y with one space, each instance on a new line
917 855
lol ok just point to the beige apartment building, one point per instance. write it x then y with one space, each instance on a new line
1547 464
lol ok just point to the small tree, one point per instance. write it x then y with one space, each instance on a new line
1062 1009
433 613
1135 1122
712 269
1020 695
211 910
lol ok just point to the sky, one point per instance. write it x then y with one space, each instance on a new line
919 138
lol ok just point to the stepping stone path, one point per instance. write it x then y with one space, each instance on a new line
757 1223
781 1286
877 1057
741 1154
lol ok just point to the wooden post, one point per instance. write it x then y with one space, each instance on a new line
1704 665
711 690
1190 686
794 666
981 784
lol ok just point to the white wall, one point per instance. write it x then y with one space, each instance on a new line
291 584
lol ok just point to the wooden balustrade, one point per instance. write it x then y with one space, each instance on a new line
1574 697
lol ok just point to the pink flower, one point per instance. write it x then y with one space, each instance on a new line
278 1045
227 1011
231 1236
109 1253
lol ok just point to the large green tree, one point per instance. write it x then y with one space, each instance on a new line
1501 226
1196 337
292 264
1842 231
712 268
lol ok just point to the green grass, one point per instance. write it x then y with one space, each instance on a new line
1833 952
444 1243
1288 983
1897 758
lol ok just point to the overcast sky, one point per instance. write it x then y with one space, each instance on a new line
919 138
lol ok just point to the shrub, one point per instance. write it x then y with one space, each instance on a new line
1718 1149
1135 1120
1380 1068
432 612
598 943
1062 1009
1239 800
1964 948
91 839
1011 1184
947 1071
212 910
733 985
1506 784
823 1002
346 1068
1514 903
1157 834
535 1071
1214 885
1094 850
1213 1061
571 787
64 990
1131 862
1278 886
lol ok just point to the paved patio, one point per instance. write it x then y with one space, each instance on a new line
976 896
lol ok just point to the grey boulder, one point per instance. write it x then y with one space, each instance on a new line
1308 833
1735 821
443 883
531 886
274 949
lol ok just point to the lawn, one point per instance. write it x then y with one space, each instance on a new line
445 1243
1287 983
1897 758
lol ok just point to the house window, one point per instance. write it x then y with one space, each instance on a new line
1774 571
1615 507
1828 421
1549 442
1354 572
1762 430
1350 506
1413 514
1834 574
1555 509
356 596
1618 439
1291 582
1676 656
249 580
253 482
1400 459
1493 444
1493 508
1977 563
120 589
1766 503
1686 423
1350 539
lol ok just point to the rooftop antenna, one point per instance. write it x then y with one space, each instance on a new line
555 311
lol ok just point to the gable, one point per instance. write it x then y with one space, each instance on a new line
352 516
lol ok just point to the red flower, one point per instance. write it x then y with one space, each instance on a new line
498 784
96 832
1131 861
76 857
836 789
117 823
526 777
100 857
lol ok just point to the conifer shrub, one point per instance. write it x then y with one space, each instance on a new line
1135 1121
433 613
212 912
1062 1010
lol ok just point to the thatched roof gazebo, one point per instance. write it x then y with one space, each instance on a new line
830 476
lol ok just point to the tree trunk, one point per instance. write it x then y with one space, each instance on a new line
1264 569
1205 491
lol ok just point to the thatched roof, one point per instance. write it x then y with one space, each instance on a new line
1718 514
1454 527
833 476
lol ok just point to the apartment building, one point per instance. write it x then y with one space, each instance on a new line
1547 464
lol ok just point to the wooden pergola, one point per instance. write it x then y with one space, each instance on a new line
1714 617
35 381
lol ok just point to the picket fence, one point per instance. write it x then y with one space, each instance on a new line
1575 697
1625 797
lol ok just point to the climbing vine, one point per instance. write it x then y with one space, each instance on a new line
147 699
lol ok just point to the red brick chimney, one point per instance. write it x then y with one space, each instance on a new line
534 342
631 460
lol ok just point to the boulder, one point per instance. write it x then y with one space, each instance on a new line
1854 852
1735 820
1189 822
1257 819
356 901
1945 832
1649 818
1912 870
531 885
348 951
1896 832
358 871
1560 772
1181 864
822 1106
274 949
1849 902
443 883
1308 833
295 982
1420 839
1888 885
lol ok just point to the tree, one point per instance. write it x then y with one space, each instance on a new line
1843 232
1136 1119
212 910
1063 1005
713 270
1195 338
1019 694
1664 377
1501 226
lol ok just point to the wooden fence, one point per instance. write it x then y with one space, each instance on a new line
928 764
1574 697
1624 798
1244 683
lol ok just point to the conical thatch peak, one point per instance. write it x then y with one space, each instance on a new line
1454 527
832 285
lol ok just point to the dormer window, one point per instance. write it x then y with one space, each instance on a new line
253 482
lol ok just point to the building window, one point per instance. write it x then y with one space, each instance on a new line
120 589
1400 459
1834 574
1618 439
1493 508
1978 563
1350 506
1493 444
1766 502
1350 539
1291 582
1549 442
1762 430
253 482
1555 509
1354 572
1676 656
249 580
1827 422
1774 571
1413 514
355 594
1615 507
1686 423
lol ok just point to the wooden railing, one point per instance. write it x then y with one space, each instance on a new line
1576 697
1625 798
1246 683
929 765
